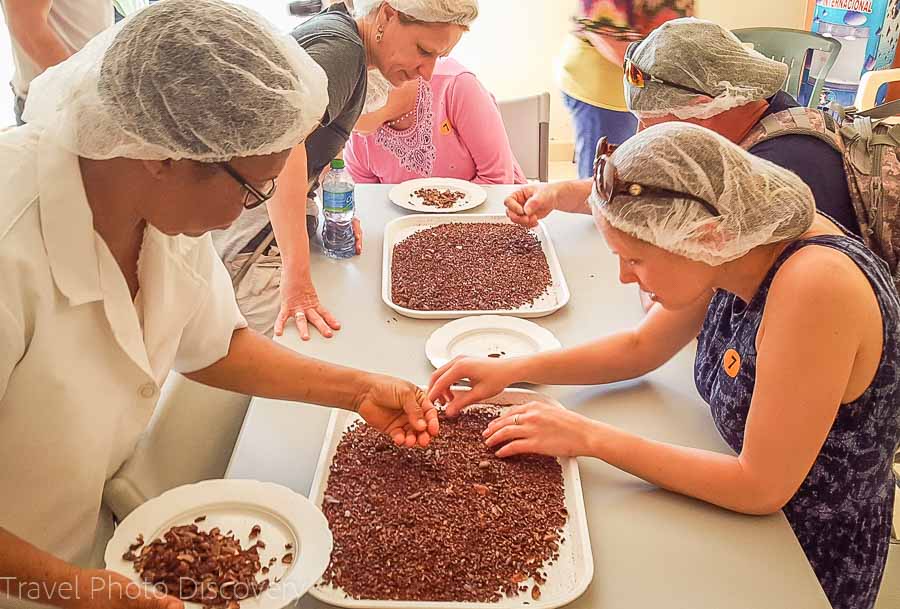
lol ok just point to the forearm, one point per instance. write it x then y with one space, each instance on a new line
709 476
37 39
287 211
256 365
32 574
574 199
617 357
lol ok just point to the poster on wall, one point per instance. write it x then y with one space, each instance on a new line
868 31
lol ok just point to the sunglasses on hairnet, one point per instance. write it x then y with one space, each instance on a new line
638 78
608 185
253 197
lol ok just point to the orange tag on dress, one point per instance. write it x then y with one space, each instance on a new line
731 363
446 127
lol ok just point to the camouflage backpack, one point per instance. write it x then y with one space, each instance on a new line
871 152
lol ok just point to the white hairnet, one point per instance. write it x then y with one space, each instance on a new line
378 88
704 56
196 79
758 201
460 12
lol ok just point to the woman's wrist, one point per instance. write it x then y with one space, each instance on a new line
577 194
594 440
520 370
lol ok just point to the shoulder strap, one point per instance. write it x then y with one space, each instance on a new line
796 121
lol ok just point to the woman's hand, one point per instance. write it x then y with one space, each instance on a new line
399 409
532 203
487 377
357 235
542 429
300 303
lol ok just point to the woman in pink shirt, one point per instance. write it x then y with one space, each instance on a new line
449 127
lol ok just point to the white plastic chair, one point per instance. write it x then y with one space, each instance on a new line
527 122
868 89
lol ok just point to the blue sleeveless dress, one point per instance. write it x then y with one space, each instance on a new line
842 512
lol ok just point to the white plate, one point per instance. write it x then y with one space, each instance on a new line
397 230
402 194
236 505
567 578
488 336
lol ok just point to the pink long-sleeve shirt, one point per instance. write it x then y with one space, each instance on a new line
458 133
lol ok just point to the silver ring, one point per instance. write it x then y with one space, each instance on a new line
299 315
516 420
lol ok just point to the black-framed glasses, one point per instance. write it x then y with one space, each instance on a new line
636 77
608 185
253 197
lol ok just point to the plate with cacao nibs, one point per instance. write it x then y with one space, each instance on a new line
224 544
495 336
450 526
437 195
458 265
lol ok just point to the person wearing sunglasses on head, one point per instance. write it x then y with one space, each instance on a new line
176 121
696 71
732 250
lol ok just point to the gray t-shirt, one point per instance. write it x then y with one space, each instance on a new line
332 40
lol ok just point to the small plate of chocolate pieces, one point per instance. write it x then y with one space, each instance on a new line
437 195
224 544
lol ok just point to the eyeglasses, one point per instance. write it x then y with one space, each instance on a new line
253 197
608 186
638 78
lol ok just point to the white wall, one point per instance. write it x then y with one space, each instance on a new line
512 47
760 13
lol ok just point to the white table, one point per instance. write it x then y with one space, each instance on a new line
652 548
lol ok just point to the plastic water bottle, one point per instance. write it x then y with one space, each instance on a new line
338 205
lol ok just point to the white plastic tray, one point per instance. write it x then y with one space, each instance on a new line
567 578
401 228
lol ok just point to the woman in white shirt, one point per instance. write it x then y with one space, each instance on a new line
172 123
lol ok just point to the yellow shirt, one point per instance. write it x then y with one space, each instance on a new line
589 77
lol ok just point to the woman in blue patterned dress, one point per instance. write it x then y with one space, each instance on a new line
798 353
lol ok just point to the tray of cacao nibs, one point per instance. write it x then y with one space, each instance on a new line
450 526
224 544
450 266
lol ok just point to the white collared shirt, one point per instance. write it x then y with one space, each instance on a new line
80 366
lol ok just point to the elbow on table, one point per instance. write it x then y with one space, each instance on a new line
764 502
761 508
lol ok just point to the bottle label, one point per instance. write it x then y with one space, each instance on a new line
338 202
